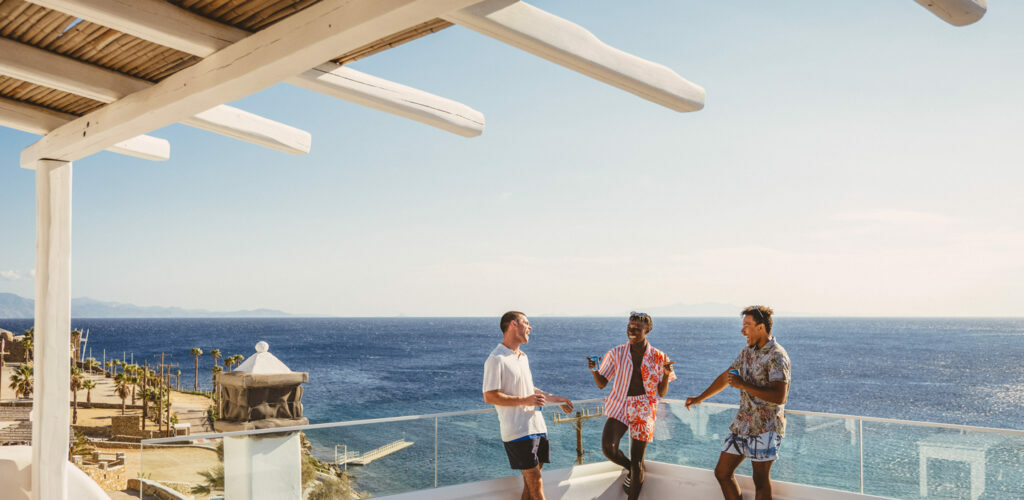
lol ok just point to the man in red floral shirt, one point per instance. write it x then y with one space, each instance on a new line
641 374
762 374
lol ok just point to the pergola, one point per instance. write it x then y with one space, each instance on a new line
94 75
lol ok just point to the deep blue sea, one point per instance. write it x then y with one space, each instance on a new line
959 371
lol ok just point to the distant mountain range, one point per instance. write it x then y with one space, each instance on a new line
707 309
13 306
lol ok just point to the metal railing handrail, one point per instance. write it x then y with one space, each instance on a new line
404 418
326 425
884 420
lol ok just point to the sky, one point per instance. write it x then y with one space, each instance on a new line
853 159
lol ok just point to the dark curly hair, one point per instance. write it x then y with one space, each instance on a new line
762 315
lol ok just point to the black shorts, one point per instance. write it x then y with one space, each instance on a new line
528 453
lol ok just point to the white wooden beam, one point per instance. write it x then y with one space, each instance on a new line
390 97
38 120
562 42
42 67
52 353
171 26
957 12
286 48
48 69
245 126
144 146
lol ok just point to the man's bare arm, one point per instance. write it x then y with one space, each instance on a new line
496 397
566 403
719 384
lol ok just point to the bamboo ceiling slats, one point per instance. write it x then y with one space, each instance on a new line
11 8
19 90
274 15
95 44
393 40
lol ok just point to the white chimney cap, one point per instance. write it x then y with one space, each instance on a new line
263 362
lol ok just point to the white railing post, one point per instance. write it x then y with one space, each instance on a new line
435 452
860 432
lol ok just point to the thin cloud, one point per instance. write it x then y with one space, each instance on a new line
10 275
897 217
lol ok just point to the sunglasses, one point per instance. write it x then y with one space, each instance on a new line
757 309
636 315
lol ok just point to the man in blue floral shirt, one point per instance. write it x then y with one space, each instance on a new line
762 374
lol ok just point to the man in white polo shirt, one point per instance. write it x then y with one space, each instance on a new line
508 385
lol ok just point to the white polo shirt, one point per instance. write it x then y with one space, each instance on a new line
510 374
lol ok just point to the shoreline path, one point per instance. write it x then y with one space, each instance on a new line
191 408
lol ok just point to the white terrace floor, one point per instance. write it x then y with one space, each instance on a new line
601 481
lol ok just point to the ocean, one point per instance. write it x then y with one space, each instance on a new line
947 370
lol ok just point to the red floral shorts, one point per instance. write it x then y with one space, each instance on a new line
640 413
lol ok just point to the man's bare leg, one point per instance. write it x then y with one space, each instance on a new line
636 470
610 438
727 463
763 480
533 486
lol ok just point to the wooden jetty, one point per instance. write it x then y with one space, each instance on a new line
356 458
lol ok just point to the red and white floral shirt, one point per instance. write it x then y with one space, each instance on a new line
617 366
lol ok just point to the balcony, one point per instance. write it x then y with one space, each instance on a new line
459 455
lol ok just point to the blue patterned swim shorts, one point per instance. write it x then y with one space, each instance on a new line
759 448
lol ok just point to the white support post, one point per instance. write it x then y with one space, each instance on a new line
51 396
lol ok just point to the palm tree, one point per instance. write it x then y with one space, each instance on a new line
21 380
88 385
236 359
133 380
148 396
214 481
109 365
196 352
158 404
216 371
91 364
27 342
121 388
76 385
216 355
76 337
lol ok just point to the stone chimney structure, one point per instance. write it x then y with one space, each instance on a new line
262 393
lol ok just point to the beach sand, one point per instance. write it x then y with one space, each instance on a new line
181 465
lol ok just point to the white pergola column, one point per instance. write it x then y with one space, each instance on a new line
52 343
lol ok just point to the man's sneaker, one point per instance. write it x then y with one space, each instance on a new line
625 483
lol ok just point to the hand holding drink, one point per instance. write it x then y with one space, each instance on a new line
734 378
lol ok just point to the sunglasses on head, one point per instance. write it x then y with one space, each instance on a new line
636 315
757 309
